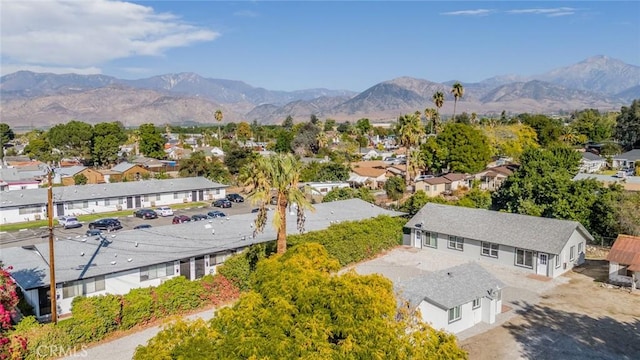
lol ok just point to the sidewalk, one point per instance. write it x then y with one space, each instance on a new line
124 347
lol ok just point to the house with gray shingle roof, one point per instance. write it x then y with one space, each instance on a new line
627 160
29 205
117 262
542 246
591 163
454 299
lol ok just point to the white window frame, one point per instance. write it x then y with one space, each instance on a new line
454 314
572 253
455 243
476 303
524 257
557 261
430 239
580 248
492 249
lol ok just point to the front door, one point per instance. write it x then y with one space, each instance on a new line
138 201
129 202
60 209
543 260
194 195
200 195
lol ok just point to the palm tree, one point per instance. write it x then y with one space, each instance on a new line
279 173
457 90
218 115
410 131
438 100
430 114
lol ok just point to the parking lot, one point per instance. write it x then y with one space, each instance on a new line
40 235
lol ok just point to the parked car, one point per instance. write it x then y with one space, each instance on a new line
164 211
216 214
69 222
142 226
108 224
145 214
235 198
423 177
222 203
181 219
93 232
198 217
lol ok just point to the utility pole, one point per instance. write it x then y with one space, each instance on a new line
52 266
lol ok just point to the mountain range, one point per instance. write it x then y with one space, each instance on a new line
29 99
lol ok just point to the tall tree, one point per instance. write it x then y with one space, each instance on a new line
279 173
6 135
457 90
107 138
151 141
288 122
628 124
468 148
410 132
200 165
219 116
430 114
438 101
73 139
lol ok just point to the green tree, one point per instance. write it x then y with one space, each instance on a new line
394 187
39 148
364 126
468 150
300 308
410 132
219 116
348 193
287 124
6 135
284 138
430 114
73 139
151 141
510 140
593 125
329 124
243 131
547 130
237 157
306 139
80 179
457 90
107 138
628 124
314 119
200 165
278 173
438 101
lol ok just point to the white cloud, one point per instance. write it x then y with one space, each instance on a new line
549 12
475 12
11 68
84 34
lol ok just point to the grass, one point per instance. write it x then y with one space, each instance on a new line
89 217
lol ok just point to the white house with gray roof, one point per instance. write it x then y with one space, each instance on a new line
543 246
628 159
454 299
130 259
31 204
591 163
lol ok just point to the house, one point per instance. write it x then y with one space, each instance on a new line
29 205
628 183
444 184
130 259
128 171
624 261
626 160
322 188
591 163
12 179
372 177
454 299
542 246
397 170
65 175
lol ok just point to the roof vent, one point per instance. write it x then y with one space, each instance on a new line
450 274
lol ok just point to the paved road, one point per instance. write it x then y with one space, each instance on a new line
124 347
41 235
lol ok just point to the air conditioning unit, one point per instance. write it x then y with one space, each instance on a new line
185 200
119 207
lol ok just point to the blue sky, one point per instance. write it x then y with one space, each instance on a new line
291 45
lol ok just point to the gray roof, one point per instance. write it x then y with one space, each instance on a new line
450 287
69 171
521 231
162 244
123 166
10 174
101 191
592 157
633 155
607 178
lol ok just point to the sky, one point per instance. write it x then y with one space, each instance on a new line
291 45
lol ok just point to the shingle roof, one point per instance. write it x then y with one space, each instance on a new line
69 171
632 155
161 244
122 167
626 250
450 287
521 231
592 157
455 176
110 190
369 172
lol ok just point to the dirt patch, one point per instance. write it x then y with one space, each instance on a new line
581 319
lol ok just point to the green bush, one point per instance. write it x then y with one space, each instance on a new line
139 307
176 295
238 268
94 317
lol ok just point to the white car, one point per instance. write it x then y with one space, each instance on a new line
164 211
69 222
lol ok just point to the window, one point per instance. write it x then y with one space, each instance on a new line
456 242
426 188
524 258
158 197
580 248
476 303
454 314
83 287
156 271
175 195
430 239
572 253
145 198
79 205
489 249
623 270
30 210
107 202
558 261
